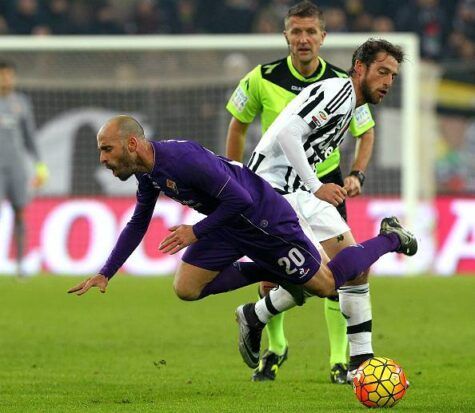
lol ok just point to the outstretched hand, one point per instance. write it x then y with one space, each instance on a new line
99 281
181 236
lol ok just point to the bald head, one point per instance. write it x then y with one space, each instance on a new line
123 147
123 126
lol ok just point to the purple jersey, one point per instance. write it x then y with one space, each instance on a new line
230 194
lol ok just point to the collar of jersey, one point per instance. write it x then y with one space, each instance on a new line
321 70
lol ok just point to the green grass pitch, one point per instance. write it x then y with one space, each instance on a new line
139 349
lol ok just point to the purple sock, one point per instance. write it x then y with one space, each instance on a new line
353 260
238 275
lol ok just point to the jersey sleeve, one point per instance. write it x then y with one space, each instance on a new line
134 231
362 121
290 138
245 102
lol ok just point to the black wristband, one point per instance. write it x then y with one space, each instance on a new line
360 175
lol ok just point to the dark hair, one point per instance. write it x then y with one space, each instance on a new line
306 9
367 52
5 64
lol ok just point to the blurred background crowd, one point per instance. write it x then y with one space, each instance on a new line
446 28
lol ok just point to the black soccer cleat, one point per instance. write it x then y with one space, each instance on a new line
355 362
392 225
269 365
350 376
250 333
339 373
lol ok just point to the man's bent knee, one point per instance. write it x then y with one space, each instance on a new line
322 283
186 292
190 281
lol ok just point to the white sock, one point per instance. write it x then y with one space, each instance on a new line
277 301
355 304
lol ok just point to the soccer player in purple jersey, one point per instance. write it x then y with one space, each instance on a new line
244 216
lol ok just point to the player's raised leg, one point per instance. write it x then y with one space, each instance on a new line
345 266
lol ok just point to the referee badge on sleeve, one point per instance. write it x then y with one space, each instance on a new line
239 99
362 115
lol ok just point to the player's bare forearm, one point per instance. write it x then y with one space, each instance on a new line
236 140
181 236
100 281
364 151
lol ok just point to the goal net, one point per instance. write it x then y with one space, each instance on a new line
177 86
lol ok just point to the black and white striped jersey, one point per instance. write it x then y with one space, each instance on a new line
306 132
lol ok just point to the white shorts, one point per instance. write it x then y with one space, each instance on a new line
322 217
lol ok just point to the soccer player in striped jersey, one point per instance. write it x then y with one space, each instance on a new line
307 132
265 91
244 215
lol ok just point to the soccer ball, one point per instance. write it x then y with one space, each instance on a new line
379 382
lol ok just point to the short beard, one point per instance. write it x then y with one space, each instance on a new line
368 97
127 165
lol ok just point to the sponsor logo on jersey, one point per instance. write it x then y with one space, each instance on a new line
269 68
172 185
239 99
320 118
296 88
316 121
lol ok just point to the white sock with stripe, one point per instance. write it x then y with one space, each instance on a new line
277 301
355 305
